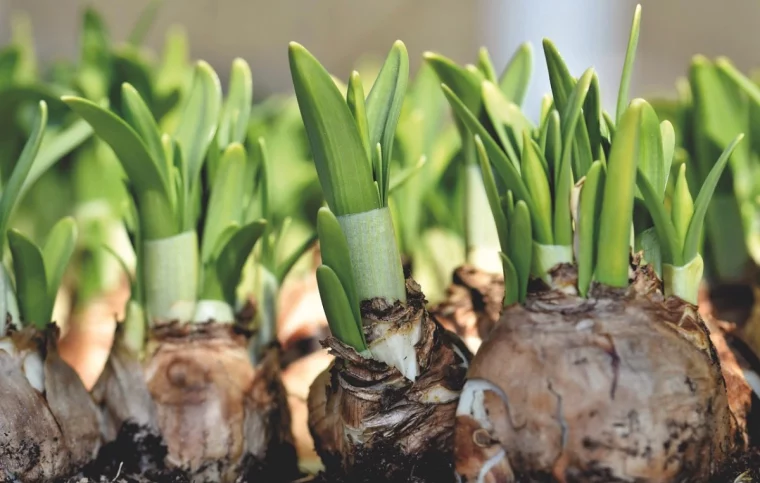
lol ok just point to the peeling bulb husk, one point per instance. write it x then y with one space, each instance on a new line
49 423
372 423
561 379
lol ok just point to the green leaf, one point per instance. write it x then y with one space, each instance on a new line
592 113
144 22
95 42
224 205
283 268
630 55
651 156
335 254
582 156
263 187
682 206
138 115
406 175
57 251
536 181
485 66
358 108
504 113
338 309
613 258
462 82
666 232
668 136
720 112
691 246
507 172
198 121
511 284
129 65
9 60
547 106
492 194
559 75
54 148
520 245
154 192
339 156
384 104
31 283
232 257
515 79
236 109
11 191
553 146
563 230
496 106
588 223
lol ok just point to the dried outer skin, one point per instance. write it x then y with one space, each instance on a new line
738 361
738 391
221 418
473 304
369 423
122 395
622 387
43 436
749 329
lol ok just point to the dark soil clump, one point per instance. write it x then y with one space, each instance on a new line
745 468
135 456
392 467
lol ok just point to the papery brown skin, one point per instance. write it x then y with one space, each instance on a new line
473 304
43 436
738 362
221 418
371 424
624 386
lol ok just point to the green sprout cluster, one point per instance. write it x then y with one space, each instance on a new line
352 141
37 270
580 188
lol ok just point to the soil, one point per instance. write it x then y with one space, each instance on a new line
746 466
137 456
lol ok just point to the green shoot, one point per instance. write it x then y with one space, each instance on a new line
361 260
515 78
183 279
630 54
339 154
588 225
39 271
613 259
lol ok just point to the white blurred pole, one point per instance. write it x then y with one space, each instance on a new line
586 32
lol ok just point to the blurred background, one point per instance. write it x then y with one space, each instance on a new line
587 32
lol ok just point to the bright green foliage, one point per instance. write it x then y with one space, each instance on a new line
345 172
498 109
351 139
714 105
576 144
426 188
39 271
164 172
